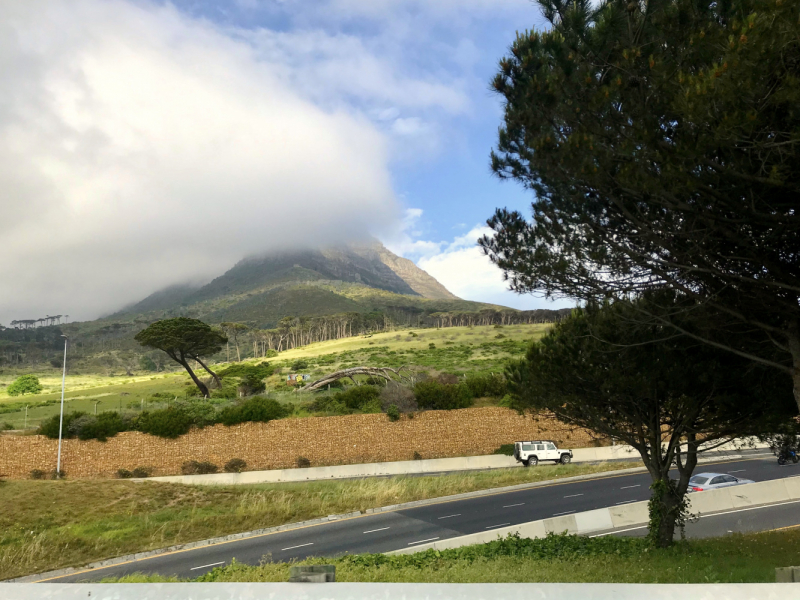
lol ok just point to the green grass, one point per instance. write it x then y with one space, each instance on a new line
46 525
736 558
458 350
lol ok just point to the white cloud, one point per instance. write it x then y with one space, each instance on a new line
139 147
463 269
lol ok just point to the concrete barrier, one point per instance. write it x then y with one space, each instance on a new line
407 467
392 591
628 515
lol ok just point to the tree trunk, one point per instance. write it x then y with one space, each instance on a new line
210 372
200 385
794 348
669 511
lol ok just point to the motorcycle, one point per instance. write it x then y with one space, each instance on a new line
786 455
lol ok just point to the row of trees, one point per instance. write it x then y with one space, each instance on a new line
662 141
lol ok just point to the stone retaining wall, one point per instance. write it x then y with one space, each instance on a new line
277 445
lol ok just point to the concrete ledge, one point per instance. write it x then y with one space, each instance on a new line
393 591
413 467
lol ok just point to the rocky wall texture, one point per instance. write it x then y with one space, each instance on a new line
277 445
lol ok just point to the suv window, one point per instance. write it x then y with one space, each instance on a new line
527 447
729 479
551 446
717 480
540 446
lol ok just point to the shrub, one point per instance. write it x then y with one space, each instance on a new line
251 385
6 426
399 396
431 346
393 413
235 465
299 365
38 474
168 422
417 455
506 449
257 408
62 474
303 462
50 426
142 472
244 370
484 385
228 391
100 427
124 474
364 398
201 412
193 467
147 364
25 384
434 395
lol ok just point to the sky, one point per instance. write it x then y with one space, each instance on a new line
146 143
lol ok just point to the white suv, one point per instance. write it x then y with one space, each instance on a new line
530 453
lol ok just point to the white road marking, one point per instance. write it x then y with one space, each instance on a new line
222 562
510 505
739 471
627 501
374 530
493 526
300 546
448 516
703 516
422 541
564 513
627 487
573 496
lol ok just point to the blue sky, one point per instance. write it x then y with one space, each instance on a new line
164 141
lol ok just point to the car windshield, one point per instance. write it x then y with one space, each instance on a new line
697 480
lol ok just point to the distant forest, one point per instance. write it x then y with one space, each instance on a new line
93 341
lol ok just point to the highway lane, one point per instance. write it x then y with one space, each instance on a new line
383 532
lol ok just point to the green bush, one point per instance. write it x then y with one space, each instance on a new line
99 427
147 364
6 427
299 365
168 422
38 474
25 384
257 408
49 427
228 391
201 412
433 395
252 384
487 385
303 462
393 413
235 465
363 398
142 472
124 474
506 449
243 370
193 467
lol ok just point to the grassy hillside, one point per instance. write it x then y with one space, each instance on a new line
456 350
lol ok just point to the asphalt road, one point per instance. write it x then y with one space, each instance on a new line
383 532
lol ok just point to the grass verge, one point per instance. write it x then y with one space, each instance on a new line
736 558
47 525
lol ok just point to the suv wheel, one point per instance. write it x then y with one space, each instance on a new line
532 461
565 458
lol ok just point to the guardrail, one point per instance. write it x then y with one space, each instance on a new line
392 591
